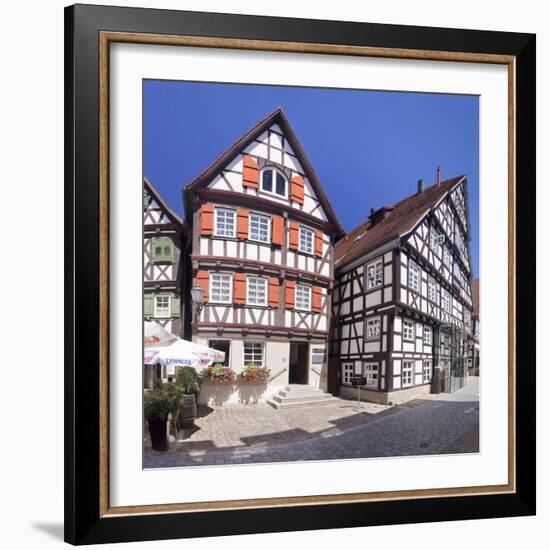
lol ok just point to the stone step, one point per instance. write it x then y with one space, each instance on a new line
299 388
292 393
302 396
301 404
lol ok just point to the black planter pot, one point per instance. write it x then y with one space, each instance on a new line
157 431
188 411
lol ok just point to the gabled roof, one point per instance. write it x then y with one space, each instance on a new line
157 196
276 117
475 297
398 220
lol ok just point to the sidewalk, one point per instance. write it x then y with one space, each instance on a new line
237 434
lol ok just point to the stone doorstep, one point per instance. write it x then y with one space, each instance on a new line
300 388
308 390
301 403
303 396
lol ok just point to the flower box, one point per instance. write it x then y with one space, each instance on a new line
251 374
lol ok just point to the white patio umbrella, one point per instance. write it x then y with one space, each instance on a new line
156 335
182 353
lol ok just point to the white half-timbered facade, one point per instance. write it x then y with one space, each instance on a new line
402 298
262 236
164 239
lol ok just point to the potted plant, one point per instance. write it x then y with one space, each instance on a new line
253 373
188 382
218 374
158 404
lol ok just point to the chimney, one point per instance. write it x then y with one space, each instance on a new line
421 186
372 211
438 175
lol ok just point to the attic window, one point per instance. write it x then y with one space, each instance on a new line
274 182
359 237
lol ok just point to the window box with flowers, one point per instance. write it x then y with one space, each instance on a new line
218 374
254 373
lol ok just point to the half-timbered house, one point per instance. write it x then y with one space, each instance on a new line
402 296
473 355
262 233
164 241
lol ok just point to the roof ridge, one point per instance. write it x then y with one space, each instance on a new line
400 220
276 116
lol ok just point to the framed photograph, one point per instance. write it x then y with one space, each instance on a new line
300 274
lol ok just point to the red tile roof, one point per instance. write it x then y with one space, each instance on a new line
398 220
475 297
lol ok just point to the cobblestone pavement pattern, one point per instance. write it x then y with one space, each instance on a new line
238 434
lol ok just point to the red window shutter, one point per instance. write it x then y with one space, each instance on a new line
202 280
277 230
318 243
207 219
239 288
274 292
242 223
297 189
290 289
251 172
293 238
317 299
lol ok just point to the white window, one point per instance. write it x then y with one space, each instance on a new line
427 335
256 292
408 330
408 373
372 330
221 288
303 297
446 257
274 182
414 276
162 306
432 293
225 222
435 240
306 240
371 374
446 300
253 354
374 274
259 228
426 370
347 373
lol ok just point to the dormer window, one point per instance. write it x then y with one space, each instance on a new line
274 182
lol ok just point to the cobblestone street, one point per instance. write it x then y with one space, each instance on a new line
439 424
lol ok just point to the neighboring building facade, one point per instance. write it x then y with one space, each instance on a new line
473 356
402 297
262 236
164 241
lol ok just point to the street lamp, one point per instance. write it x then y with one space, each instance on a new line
197 299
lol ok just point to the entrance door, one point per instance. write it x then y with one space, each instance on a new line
221 345
298 363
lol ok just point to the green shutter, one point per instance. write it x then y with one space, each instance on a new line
163 250
175 306
148 305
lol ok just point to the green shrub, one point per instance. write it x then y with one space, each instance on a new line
188 380
161 401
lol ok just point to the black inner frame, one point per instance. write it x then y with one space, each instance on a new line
82 522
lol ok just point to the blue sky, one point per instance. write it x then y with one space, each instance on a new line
368 148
